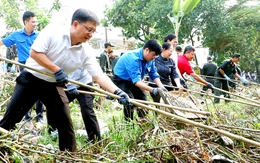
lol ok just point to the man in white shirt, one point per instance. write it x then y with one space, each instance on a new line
60 51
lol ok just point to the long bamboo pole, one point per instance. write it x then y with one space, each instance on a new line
232 80
227 99
151 103
237 137
215 88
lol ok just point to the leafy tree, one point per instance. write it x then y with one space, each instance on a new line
145 19
134 17
179 9
11 11
247 26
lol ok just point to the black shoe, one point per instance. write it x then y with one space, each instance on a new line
39 120
27 118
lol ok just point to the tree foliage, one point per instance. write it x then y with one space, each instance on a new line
12 10
179 9
142 19
134 17
246 21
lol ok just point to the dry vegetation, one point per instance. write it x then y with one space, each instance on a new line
157 139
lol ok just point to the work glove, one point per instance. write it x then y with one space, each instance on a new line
124 98
227 78
72 89
210 86
155 91
243 80
61 77
164 89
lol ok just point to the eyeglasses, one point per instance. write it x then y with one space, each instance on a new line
89 29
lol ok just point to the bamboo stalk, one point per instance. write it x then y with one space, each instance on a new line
5 101
237 137
7 81
215 88
226 79
240 128
223 98
3 131
151 103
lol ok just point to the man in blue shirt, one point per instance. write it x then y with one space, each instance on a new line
24 39
129 72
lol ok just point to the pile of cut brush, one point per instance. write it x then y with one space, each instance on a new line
155 139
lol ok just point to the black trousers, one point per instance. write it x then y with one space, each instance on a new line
87 112
133 92
27 91
39 106
221 84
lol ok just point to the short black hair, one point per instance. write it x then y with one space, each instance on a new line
82 15
188 48
169 37
154 46
27 15
166 45
178 48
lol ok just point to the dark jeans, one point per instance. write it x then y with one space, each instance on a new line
39 111
21 67
221 84
39 105
27 91
87 112
133 92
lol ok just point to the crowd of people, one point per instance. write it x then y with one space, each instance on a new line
65 53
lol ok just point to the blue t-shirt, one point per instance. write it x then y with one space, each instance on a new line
23 42
132 67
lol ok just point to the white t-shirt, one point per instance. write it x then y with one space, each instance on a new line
54 41
81 75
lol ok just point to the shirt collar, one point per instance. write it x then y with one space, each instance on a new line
23 31
185 57
66 33
141 55
230 62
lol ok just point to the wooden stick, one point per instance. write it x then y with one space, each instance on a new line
227 99
232 80
7 81
3 131
5 101
151 103
215 88
237 137
240 128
